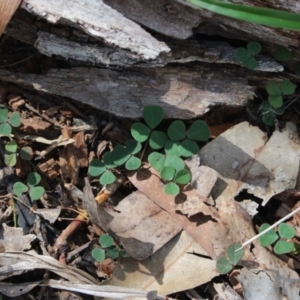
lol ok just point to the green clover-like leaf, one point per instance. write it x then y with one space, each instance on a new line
108 160
177 131
254 48
175 162
157 139
282 54
26 153
171 189
233 255
112 252
157 161
223 265
19 188
133 146
5 129
182 176
276 100
10 159
283 247
153 115
171 148
11 147
36 192
98 254
268 238
286 231
106 240
33 179
15 119
273 88
188 148
96 168
140 132
287 87
3 115
133 163
107 178
199 131
120 155
167 173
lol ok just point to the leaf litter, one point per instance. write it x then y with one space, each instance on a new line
173 241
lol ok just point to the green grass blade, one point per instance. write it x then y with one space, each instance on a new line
259 15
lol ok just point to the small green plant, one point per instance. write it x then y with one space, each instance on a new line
282 54
108 249
11 152
277 90
7 122
177 142
226 263
246 56
284 233
275 106
34 190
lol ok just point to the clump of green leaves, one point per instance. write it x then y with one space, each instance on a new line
34 190
108 249
226 263
275 106
277 90
11 152
7 122
177 142
284 233
246 56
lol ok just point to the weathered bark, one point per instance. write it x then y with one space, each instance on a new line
183 92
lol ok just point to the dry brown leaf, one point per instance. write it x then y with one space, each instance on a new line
13 238
81 149
50 214
172 268
141 225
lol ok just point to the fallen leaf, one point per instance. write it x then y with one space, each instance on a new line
13 238
174 267
16 289
141 225
50 214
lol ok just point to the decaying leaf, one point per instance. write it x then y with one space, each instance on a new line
13 238
50 214
141 225
174 267
16 289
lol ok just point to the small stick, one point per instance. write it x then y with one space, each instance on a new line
268 229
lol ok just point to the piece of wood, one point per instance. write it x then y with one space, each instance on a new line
184 93
100 21
7 9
